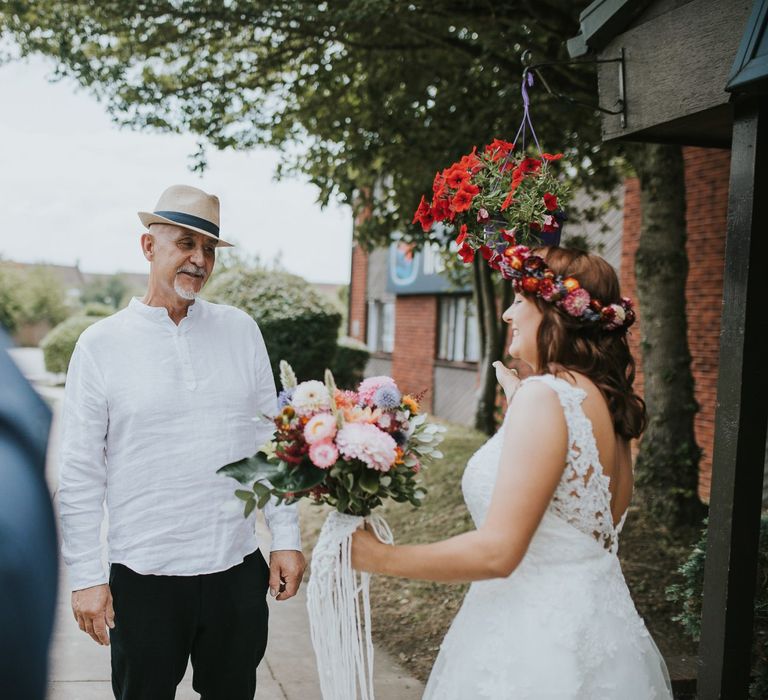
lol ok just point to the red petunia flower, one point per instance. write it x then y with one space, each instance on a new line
529 165
438 184
466 253
550 201
549 156
499 149
462 200
424 215
517 178
470 162
441 209
508 236
486 252
462 234
456 177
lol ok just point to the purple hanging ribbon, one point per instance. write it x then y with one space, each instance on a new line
527 78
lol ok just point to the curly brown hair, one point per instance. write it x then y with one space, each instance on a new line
566 344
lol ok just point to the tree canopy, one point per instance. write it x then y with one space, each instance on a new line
365 98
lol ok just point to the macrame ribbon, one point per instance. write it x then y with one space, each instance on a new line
339 606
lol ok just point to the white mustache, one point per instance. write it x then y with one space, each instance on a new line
192 270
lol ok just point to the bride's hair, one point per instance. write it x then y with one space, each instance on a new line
568 344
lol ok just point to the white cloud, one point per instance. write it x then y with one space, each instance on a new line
72 182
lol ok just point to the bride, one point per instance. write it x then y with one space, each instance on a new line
549 614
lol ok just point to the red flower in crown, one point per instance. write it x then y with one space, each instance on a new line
550 157
547 290
530 285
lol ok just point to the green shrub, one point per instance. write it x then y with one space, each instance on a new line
688 595
97 309
59 344
297 323
349 363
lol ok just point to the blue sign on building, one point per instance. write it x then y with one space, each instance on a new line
421 271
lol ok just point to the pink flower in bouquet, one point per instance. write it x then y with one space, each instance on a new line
310 397
367 443
323 454
346 398
320 427
368 387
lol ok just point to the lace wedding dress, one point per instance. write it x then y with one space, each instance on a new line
563 625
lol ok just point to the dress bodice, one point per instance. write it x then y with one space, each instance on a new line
582 497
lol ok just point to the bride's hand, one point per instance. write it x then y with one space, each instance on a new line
509 379
366 550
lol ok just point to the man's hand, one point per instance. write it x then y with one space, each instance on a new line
286 569
92 608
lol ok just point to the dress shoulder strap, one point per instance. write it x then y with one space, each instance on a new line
583 449
570 396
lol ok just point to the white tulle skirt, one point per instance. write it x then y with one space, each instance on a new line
561 627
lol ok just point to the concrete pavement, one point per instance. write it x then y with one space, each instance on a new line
80 669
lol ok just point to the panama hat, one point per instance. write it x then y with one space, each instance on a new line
188 207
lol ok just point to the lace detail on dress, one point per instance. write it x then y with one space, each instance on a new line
582 497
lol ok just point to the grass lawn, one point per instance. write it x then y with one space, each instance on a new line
410 618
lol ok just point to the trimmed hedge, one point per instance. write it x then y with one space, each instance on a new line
297 323
349 363
59 344
689 593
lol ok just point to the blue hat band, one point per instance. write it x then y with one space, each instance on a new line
190 220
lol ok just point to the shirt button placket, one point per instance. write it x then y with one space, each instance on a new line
182 347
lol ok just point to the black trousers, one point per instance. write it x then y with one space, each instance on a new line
219 620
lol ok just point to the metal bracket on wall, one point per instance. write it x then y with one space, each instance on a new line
621 103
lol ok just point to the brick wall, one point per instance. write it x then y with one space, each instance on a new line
706 179
413 360
358 285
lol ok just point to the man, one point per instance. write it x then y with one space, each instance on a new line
28 544
158 397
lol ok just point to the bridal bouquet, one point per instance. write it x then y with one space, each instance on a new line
498 197
350 450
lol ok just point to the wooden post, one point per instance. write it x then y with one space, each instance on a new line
741 416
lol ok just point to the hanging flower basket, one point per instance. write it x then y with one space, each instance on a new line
499 196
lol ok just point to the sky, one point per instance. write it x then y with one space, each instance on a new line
71 183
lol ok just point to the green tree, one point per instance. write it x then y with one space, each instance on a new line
41 298
110 291
668 459
10 306
365 98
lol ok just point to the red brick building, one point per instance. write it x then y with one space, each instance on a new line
414 336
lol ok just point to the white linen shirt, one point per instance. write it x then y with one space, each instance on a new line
151 411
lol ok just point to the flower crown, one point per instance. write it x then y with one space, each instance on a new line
530 275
